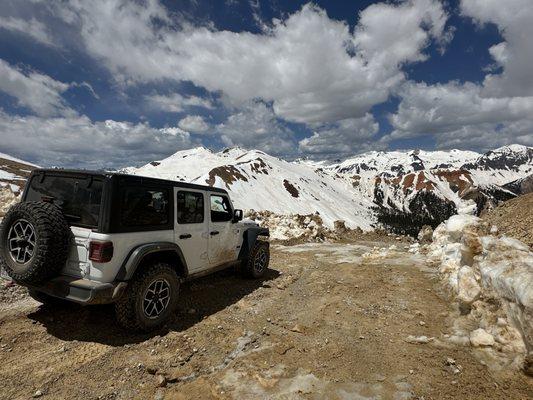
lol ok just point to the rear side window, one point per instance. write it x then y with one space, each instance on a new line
190 207
78 197
220 209
143 207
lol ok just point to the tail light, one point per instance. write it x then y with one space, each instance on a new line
101 252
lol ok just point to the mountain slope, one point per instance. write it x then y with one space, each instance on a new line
259 181
397 189
502 165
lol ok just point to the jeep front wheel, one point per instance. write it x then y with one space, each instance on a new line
150 299
257 263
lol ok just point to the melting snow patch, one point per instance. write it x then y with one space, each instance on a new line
492 279
418 339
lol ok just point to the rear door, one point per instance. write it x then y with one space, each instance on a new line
191 227
222 235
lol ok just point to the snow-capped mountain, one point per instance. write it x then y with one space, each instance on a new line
395 163
401 190
422 187
259 181
396 188
502 165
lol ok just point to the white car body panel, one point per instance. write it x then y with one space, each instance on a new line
194 249
201 251
123 244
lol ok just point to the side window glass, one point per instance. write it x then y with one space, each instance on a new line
144 207
220 209
190 206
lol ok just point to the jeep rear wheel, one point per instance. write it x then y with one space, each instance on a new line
34 241
257 263
150 299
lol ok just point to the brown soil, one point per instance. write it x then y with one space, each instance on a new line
326 322
228 174
290 188
514 218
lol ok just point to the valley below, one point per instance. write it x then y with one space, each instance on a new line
363 319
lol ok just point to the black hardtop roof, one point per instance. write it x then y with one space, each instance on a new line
133 178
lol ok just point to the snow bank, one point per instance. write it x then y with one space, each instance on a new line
492 279
7 199
308 227
284 227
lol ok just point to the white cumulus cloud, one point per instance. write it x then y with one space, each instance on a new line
77 141
513 19
311 67
496 112
176 102
194 124
256 126
342 138
33 90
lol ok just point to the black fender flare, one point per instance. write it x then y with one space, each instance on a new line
137 254
250 236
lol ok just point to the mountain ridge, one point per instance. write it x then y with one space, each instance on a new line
399 190
368 190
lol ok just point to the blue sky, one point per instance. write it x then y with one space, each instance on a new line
114 83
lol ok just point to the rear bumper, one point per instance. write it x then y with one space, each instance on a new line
83 291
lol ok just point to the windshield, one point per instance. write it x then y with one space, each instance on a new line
78 197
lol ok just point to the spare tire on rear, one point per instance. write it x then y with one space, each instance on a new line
34 241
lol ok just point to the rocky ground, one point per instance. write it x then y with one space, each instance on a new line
514 218
354 320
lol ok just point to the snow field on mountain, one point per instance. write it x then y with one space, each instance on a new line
258 181
344 190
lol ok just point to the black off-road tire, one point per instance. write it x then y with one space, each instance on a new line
52 240
129 308
257 263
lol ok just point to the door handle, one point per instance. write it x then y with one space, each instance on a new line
213 233
186 236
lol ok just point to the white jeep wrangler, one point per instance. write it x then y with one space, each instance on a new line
96 238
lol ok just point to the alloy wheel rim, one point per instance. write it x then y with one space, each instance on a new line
156 298
21 241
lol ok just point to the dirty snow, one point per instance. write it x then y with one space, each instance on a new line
492 280
7 199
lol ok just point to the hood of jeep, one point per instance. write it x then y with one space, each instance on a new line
247 223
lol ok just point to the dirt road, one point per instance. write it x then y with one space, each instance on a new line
329 321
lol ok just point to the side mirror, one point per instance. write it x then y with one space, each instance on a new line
237 215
